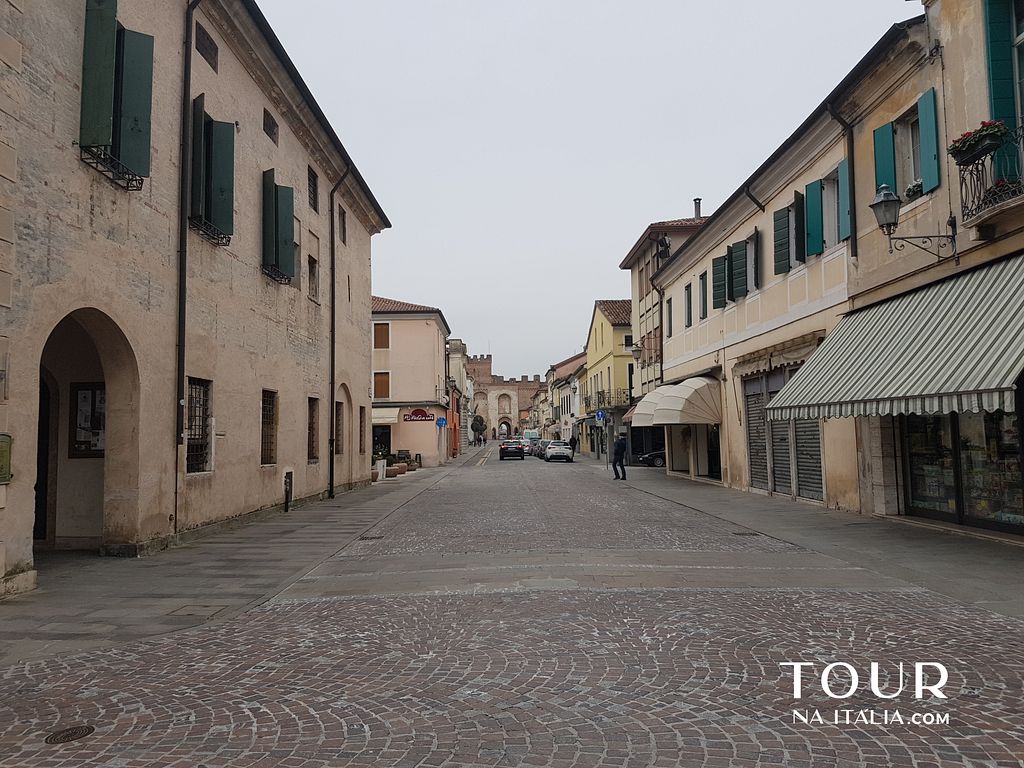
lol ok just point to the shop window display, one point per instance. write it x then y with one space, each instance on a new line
932 485
990 460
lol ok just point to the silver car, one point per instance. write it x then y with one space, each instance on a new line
558 449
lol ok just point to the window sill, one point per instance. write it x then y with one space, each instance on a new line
201 473
312 462
268 466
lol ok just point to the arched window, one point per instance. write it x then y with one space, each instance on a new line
504 404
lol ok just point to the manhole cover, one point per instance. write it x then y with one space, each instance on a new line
745 533
69 734
370 538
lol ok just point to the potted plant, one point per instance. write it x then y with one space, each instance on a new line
983 140
1001 190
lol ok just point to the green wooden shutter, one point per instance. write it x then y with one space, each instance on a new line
928 117
999 38
269 219
729 295
719 281
221 204
136 101
703 295
755 244
885 157
198 193
799 227
99 57
738 257
844 199
285 203
668 313
688 294
781 222
814 219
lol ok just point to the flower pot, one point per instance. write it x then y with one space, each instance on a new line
373 475
391 472
413 467
402 468
977 150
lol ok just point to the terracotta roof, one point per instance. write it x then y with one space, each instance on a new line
383 306
687 226
568 365
618 311
679 223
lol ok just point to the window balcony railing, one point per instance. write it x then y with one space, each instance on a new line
994 180
607 398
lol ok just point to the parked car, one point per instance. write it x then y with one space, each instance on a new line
542 446
652 459
527 447
558 449
511 449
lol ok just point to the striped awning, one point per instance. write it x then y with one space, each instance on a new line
643 412
952 346
693 401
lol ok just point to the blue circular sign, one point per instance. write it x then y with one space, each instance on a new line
600 415
442 422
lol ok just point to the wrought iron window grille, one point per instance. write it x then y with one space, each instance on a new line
207 231
276 274
100 158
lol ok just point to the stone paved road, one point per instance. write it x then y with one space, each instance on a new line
525 614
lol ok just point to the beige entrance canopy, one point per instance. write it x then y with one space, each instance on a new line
949 347
385 416
693 401
643 412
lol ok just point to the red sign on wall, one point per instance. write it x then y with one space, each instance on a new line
418 415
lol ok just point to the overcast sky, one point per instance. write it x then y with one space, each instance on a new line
521 147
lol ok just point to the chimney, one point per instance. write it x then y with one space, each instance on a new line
696 207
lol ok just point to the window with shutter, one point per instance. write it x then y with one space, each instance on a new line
212 200
719 281
781 222
703 298
798 232
814 229
885 157
688 301
928 148
668 321
754 258
278 229
738 256
843 182
381 385
117 97
382 336
1001 32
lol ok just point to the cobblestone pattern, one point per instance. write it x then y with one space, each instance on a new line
564 679
539 506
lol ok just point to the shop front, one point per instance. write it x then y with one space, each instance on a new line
411 432
934 378
690 413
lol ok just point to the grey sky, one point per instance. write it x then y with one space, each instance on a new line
520 148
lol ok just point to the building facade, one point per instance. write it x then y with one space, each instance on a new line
185 339
504 403
564 394
412 398
609 375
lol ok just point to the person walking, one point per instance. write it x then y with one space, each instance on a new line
619 457
573 442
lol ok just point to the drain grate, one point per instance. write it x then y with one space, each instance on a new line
69 734
370 538
745 533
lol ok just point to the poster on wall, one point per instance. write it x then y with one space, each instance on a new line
87 431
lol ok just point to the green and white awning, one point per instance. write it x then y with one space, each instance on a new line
953 346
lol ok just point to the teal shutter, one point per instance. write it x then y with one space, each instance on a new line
719 281
799 227
269 219
198 194
999 38
755 244
738 258
844 199
814 219
285 204
99 57
781 221
885 157
221 204
928 117
136 101
688 304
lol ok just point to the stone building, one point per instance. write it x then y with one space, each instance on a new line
500 400
183 337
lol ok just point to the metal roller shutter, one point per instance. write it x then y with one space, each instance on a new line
782 468
808 459
757 444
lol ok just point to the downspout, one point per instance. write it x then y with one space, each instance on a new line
851 167
333 334
183 190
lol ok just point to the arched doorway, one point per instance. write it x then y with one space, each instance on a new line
87 457
343 448
505 428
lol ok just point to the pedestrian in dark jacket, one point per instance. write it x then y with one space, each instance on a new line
573 442
619 457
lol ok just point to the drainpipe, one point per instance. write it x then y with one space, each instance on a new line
848 128
334 332
183 182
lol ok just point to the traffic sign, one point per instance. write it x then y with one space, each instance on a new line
442 421
600 415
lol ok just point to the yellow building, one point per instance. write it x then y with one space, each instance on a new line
609 374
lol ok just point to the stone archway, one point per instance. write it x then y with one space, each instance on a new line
88 433
344 466
505 424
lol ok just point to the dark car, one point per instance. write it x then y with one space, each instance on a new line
511 449
652 459
540 448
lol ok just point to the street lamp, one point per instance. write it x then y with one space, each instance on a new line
637 350
886 207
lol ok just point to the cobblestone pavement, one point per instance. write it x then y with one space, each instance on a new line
447 656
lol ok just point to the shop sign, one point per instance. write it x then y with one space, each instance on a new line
418 415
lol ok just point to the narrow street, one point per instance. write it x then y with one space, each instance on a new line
506 613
